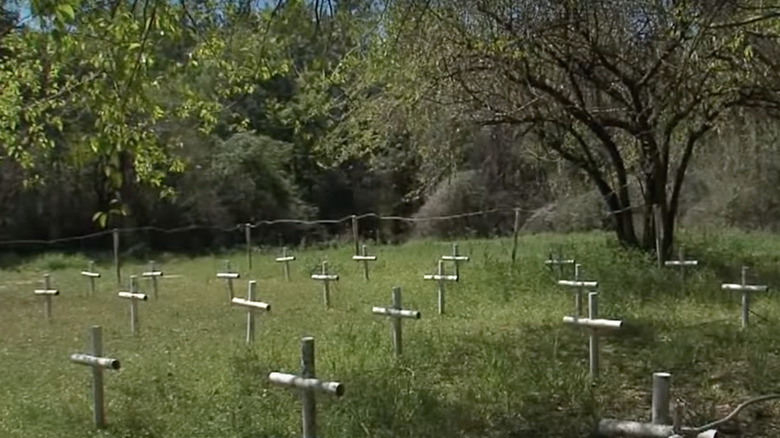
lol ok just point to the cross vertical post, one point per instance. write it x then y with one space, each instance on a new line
660 413
252 307
396 313
153 274
307 383
593 341
91 275
98 363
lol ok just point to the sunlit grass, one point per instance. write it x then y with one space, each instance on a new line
498 364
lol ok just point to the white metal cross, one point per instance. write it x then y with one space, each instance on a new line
286 259
578 286
681 263
365 258
98 363
396 313
308 384
153 274
228 276
440 278
746 289
325 278
134 298
47 292
560 262
456 259
595 326
91 274
252 307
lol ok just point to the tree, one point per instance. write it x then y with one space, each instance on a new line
624 90
87 86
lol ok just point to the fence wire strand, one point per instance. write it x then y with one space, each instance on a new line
258 224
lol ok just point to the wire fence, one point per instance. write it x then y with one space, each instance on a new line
496 221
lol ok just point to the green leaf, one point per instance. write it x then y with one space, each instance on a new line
66 10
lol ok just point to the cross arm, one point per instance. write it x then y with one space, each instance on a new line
440 277
298 382
573 283
559 262
400 313
228 275
681 263
254 304
457 258
744 288
324 277
47 292
90 274
133 296
361 257
152 274
593 323
101 362
285 259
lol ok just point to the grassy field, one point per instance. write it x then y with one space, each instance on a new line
499 364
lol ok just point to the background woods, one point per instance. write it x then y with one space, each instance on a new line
582 114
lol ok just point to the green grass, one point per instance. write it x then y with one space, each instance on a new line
499 364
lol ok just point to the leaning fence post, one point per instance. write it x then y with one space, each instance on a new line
248 241
116 258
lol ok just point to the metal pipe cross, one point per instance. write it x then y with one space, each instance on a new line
325 278
286 259
308 386
595 326
396 313
98 363
560 262
440 278
47 292
134 298
578 286
91 275
365 258
228 276
746 289
252 306
153 274
681 263
456 259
